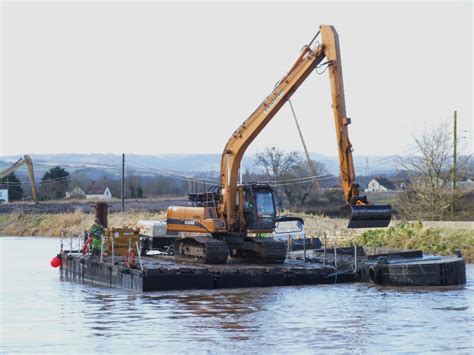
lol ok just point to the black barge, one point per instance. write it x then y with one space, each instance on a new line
164 273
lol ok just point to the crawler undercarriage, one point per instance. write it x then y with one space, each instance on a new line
216 250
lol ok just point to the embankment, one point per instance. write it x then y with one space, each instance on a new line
437 240
15 224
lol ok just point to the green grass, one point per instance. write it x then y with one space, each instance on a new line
416 236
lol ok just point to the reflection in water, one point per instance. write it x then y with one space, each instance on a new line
40 312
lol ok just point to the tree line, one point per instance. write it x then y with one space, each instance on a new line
429 193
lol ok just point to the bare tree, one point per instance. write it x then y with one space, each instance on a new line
298 189
285 170
429 194
276 162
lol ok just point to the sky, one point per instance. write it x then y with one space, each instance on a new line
160 78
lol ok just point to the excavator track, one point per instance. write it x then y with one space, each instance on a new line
201 249
258 250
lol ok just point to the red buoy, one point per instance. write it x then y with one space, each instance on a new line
56 261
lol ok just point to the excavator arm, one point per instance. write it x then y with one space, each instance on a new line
18 164
249 130
362 214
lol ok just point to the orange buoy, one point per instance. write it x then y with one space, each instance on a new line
56 261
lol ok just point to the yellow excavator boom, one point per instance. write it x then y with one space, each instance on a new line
236 146
18 164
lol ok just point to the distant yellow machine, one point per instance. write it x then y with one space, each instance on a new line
226 215
18 164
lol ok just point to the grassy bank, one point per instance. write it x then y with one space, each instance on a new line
439 240
71 223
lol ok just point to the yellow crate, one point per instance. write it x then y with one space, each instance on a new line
121 237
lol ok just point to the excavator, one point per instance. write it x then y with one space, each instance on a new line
18 164
220 221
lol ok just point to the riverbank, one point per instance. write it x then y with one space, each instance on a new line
51 225
442 239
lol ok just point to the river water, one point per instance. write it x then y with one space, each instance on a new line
41 313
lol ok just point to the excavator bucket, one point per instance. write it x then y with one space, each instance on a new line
370 216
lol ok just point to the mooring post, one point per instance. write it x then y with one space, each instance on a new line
139 256
101 247
113 249
304 247
70 245
335 253
355 257
289 245
324 251
78 243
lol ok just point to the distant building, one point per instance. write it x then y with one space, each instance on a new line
95 192
76 192
3 196
380 185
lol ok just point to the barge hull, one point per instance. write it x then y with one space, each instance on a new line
177 276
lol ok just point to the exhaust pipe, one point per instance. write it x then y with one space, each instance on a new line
370 216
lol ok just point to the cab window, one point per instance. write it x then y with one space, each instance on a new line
264 201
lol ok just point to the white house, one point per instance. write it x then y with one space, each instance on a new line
97 193
76 192
3 196
380 185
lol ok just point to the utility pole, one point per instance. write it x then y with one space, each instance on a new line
454 169
123 182
311 167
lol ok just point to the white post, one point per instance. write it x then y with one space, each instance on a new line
139 256
70 245
78 243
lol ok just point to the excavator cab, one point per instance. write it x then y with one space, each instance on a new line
258 208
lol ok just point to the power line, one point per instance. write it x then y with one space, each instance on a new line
304 182
173 174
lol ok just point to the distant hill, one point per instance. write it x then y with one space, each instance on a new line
164 164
